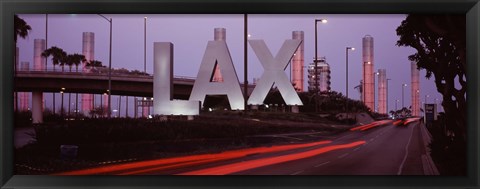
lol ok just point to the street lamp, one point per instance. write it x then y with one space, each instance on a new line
403 104
109 67
316 60
346 77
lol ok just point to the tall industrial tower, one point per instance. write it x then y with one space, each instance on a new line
88 49
415 90
382 91
220 34
38 64
368 75
298 62
24 96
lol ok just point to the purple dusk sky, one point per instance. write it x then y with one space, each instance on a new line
190 34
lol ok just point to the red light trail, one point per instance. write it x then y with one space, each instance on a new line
246 165
177 162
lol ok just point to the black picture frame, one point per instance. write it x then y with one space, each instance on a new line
10 7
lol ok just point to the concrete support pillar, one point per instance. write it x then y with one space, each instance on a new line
254 107
37 105
297 72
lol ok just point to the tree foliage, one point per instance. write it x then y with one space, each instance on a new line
59 56
440 41
21 28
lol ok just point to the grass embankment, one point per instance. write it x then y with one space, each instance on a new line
106 141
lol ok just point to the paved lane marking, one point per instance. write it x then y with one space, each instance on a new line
356 149
406 153
372 139
343 155
322 164
296 173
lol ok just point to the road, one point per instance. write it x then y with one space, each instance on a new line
380 148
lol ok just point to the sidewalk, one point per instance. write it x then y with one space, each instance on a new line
429 167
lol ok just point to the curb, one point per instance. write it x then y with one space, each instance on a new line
429 167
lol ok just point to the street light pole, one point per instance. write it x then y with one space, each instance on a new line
346 77
316 61
109 68
145 45
245 62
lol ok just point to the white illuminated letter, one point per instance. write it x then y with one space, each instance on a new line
274 72
163 84
217 53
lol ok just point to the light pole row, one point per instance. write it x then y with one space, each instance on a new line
109 68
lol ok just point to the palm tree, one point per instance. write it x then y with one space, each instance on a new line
21 28
77 59
94 64
58 56
72 59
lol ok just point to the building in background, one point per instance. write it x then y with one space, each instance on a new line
415 90
368 73
323 78
382 91
298 63
219 34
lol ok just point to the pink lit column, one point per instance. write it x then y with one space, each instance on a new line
415 90
298 62
382 91
24 96
88 50
368 75
220 34
38 65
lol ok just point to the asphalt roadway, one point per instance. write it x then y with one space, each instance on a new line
380 148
